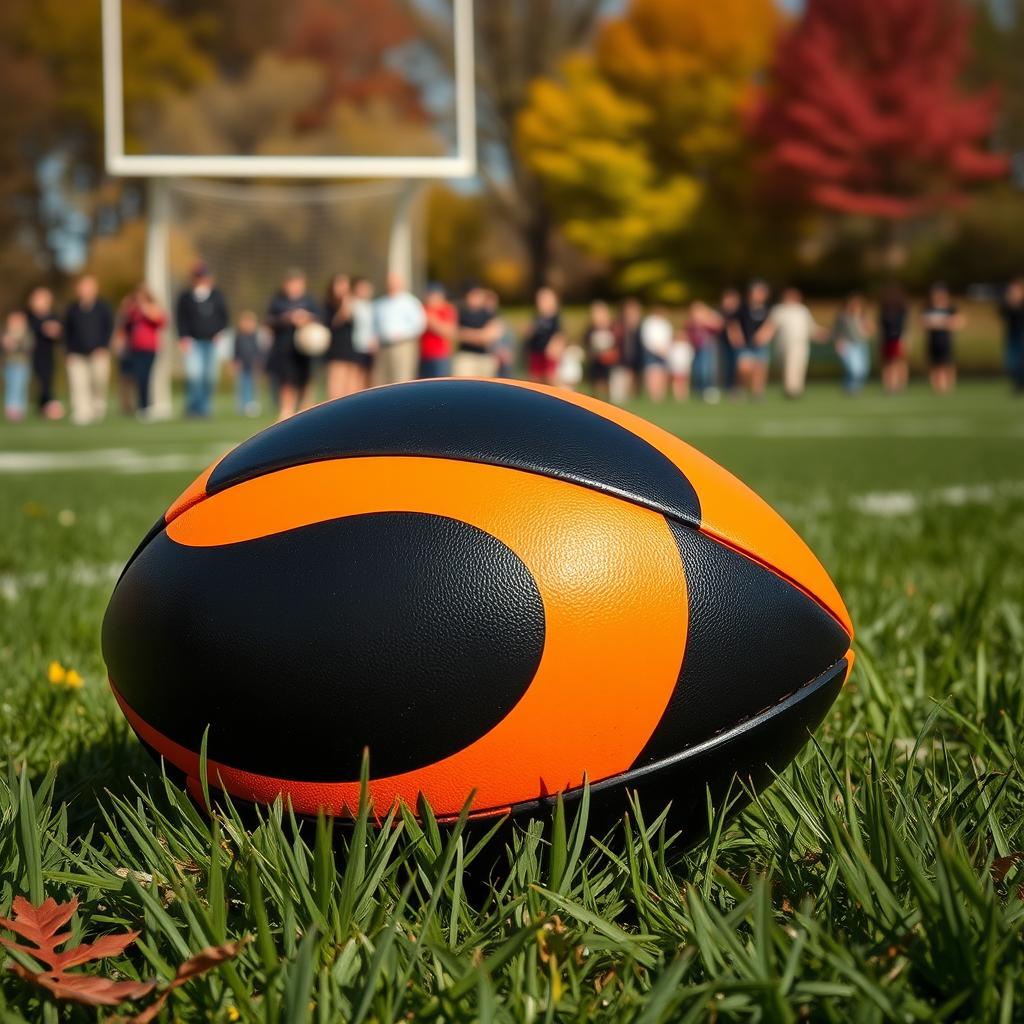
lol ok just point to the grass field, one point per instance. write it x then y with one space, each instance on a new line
880 878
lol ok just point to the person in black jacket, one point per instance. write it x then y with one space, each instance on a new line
46 330
88 326
202 314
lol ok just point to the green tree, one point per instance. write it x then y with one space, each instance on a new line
631 137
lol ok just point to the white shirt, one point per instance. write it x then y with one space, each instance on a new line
399 318
794 324
363 335
656 334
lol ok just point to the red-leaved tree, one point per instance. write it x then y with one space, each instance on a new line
865 112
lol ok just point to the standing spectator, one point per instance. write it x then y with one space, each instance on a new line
247 358
656 334
793 327
680 366
46 328
436 340
625 377
703 325
291 308
851 336
892 322
752 348
941 320
202 314
602 348
729 338
364 330
347 369
143 320
504 347
1012 311
478 332
17 356
399 321
88 329
544 340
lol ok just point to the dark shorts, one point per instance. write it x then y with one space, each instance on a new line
755 353
432 367
293 368
940 351
341 350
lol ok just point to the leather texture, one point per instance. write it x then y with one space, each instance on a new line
475 421
614 598
750 754
327 639
753 639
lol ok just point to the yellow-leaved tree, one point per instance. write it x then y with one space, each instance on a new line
632 135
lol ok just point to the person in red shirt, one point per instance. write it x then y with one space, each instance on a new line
142 320
436 340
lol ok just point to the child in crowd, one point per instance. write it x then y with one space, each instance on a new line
602 348
544 340
851 336
942 319
680 365
702 328
17 355
656 336
247 362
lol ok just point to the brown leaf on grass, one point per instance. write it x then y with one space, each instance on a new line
205 960
41 926
1001 866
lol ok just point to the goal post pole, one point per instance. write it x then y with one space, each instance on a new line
400 239
158 279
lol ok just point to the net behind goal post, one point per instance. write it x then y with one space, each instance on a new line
249 233
232 182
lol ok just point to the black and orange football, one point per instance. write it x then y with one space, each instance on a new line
496 588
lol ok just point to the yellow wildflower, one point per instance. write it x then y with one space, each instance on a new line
56 673
73 680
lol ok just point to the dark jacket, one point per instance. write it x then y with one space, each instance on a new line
88 328
201 319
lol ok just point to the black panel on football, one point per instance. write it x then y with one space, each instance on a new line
751 752
752 640
411 634
476 421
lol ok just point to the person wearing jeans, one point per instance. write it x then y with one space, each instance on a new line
143 320
17 356
201 314
852 338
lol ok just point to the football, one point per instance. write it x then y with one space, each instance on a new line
501 590
312 339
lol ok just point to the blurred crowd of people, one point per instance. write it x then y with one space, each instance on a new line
353 339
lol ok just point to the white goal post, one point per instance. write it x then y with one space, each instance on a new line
160 170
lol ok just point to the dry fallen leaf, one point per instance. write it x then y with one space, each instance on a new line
202 962
40 926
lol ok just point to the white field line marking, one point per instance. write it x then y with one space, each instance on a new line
892 504
114 460
81 574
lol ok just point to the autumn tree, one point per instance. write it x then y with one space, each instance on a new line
631 136
865 112
52 116
516 42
